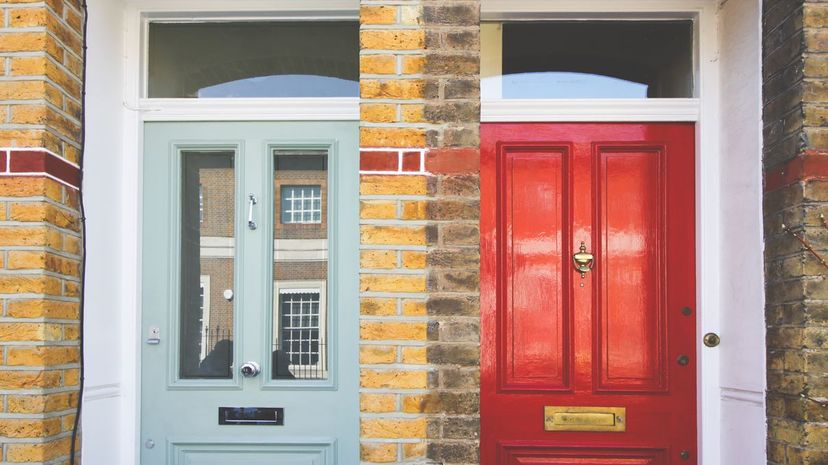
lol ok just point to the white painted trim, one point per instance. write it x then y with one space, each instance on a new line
588 110
138 13
102 391
491 62
591 9
744 395
247 8
271 109
708 155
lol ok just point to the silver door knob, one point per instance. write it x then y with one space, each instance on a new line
250 369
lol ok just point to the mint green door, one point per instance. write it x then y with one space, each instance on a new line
249 318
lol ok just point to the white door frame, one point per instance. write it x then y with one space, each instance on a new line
704 110
137 110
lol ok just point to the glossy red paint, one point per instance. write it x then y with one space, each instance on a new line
612 338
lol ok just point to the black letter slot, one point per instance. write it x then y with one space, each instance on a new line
256 416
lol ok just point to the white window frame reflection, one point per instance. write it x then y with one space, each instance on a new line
204 280
303 286
296 215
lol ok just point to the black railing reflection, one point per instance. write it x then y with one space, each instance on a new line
217 347
308 361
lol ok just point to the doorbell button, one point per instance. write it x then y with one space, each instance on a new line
712 340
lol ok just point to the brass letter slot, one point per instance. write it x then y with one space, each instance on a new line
610 419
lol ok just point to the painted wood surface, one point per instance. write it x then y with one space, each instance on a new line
613 337
179 417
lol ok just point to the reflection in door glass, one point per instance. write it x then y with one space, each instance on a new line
251 59
300 268
597 59
207 259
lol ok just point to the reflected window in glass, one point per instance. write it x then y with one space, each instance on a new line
207 264
300 267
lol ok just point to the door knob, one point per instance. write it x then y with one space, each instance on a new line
583 260
250 369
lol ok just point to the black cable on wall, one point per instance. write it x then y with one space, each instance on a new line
82 212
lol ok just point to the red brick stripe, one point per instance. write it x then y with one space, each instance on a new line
453 161
411 161
32 162
392 161
810 165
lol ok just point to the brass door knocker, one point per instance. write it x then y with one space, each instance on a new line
583 260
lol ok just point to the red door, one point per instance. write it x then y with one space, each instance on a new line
598 366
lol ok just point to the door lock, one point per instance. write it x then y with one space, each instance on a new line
250 369
583 260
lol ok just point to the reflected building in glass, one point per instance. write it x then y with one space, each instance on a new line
300 267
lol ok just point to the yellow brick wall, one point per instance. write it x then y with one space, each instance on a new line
392 87
40 244
393 326
394 238
419 209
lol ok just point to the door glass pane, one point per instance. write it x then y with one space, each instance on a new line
207 260
253 59
596 59
300 267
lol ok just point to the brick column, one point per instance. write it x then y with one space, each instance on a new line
795 42
395 237
419 276
453 110
41 46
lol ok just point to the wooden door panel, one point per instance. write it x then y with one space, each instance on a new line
545 455
534 330
630 320
180 419
609 338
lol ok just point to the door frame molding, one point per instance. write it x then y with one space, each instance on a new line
704 110
137 110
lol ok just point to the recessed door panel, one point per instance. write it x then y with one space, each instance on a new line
251 453
546 455
631 321
587 265
534 327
